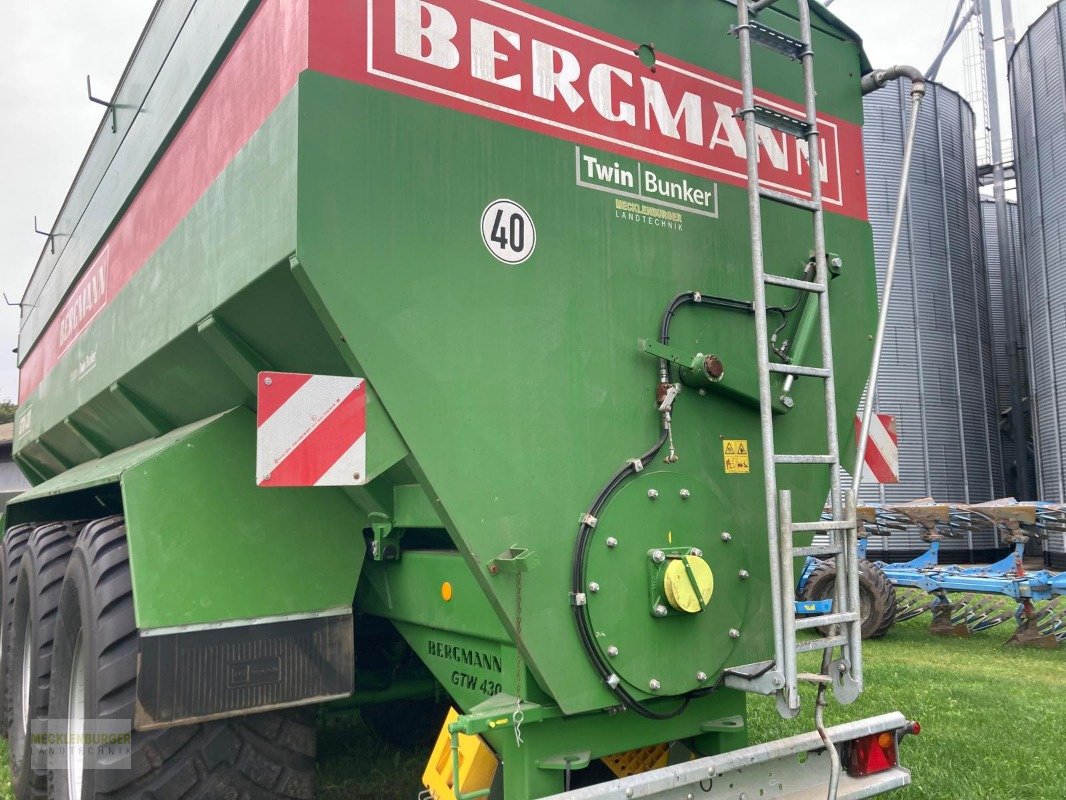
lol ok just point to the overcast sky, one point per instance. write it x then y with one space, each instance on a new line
49 46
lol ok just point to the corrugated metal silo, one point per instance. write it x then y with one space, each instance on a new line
1038 94
1002 355
937 375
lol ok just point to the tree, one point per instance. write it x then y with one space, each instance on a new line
7 411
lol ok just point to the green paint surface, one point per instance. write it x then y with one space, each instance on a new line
206 544
520 389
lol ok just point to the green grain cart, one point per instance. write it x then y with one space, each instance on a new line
407 355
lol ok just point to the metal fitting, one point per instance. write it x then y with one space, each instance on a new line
734 633
695 551
658 556
836 262
726 536
594 587
612 651
580 599
611 542
701 677
743 575
613 681
267 381
685 494
787 401
660 610
654 685
652 494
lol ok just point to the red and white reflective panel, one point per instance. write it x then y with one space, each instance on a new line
881 464
310 430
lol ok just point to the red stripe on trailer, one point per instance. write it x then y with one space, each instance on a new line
259 71
427 50
357 40
283 386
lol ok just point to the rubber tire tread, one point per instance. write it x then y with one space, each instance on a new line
37 591
267 756
15 540
872 582
880 584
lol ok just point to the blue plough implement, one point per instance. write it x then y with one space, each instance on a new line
964 600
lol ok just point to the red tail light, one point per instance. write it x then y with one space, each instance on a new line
872 754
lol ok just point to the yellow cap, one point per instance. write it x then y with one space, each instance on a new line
681 588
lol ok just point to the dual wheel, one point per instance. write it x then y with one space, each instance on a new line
68 657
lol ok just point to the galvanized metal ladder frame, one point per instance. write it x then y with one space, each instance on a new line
846 673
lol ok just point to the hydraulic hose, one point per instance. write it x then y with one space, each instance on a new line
585 531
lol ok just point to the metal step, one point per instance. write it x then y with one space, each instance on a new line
816 550
788 200
795 283
774 40
786 123
796 369
803 623
823 525
804 459
759 5
821 644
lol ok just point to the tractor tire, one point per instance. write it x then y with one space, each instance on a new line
33 621
407 724
880 583
267 756
877 596
15 541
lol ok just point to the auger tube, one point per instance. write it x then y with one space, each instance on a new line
871 82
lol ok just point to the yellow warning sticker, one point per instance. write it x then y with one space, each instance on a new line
735 455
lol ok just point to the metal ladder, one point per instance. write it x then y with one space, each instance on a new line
844 621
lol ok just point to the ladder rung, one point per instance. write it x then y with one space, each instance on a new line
758 5
823 525
799 459
788 199
796 369
816 550
794 283
773 40
824 620
821 644
786 123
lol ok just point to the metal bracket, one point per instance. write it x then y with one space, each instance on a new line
760 678
513 561
385 546
51 236
105 103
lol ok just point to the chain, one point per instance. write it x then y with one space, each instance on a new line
518 716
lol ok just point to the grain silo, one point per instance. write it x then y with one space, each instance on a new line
1000 340
937 374
1038 94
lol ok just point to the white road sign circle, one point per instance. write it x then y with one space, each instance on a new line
508 231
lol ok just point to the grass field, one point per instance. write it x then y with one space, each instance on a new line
993 723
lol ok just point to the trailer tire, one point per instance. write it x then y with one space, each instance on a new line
265 756
15 541
406 724
877 596
33 618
